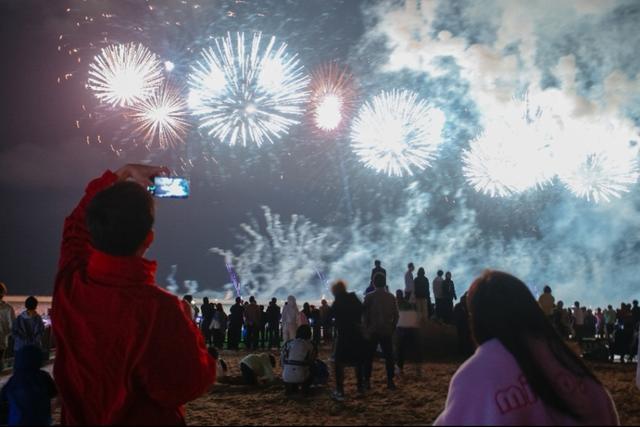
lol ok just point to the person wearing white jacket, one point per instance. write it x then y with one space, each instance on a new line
290 319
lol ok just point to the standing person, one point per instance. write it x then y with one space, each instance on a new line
547 302
610 321
578 322
306 310
408 334
635 313
273 319
522 373
380 321
263 328
316 325
290 319
439 295
7 317
561 321
252 319
461 317
189 308
207 309
600 326
326 321
409 284
423 296
219 326
349 342
450 296
105 341
638 367
376 271
590 323
28 328
236 321
29 390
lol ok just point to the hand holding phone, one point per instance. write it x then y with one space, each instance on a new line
170 187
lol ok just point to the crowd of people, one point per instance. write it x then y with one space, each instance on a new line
520 369
618 329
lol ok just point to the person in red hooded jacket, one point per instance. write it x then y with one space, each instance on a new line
126 351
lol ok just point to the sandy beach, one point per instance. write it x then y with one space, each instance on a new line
418 401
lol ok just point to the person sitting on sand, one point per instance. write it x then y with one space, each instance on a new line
257 369
116 363
297 359
29 390
522 373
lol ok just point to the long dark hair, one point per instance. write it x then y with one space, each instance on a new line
502 307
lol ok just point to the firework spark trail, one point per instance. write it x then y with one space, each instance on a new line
247 93
162 118
124 74
397 134
233 276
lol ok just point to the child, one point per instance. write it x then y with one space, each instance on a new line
298 358
30 390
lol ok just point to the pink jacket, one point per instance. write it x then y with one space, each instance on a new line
490 389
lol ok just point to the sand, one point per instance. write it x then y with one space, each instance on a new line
418 401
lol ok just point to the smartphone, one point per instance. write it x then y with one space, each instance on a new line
170 188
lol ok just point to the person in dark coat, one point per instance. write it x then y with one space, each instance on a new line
207 309
461 316
450 296
30 390
236 320
422 295
350 346
273 319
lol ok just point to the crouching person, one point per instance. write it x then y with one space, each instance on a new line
258 369
30 389
298 359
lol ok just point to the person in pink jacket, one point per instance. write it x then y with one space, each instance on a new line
522 373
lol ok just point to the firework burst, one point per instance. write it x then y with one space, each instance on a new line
508 158
332 96
244 92
397 134
163 118
596 162
124 74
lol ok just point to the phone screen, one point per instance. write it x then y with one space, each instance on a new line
171 188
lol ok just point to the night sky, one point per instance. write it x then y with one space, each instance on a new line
296 214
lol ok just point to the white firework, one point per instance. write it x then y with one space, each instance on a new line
124 74
508 159
162 118
397 134
246 92
596 162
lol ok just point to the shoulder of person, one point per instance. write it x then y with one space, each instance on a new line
491 364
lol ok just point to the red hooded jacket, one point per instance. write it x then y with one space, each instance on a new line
126 352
